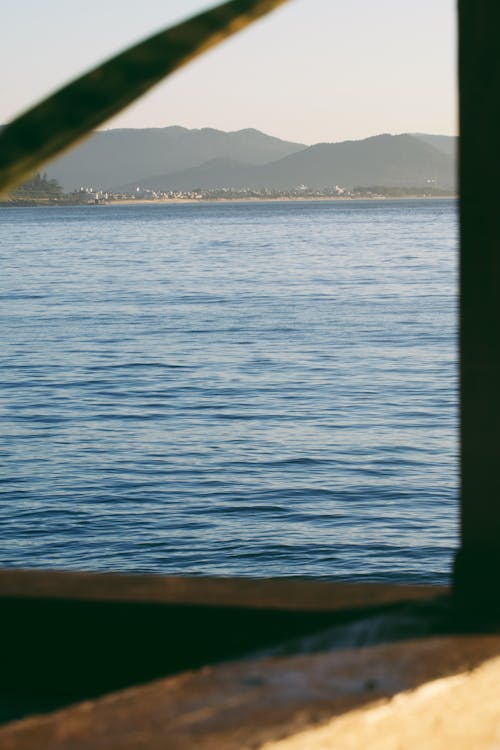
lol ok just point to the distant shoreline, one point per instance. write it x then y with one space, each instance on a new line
179 201
168 201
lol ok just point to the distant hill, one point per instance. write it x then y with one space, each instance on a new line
215 173
117 157
448 144
390 160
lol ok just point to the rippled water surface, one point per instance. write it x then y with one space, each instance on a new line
262 389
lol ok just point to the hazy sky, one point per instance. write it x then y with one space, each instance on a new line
316 70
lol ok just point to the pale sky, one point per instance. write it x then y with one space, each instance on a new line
315 70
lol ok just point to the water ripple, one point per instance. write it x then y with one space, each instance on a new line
264 389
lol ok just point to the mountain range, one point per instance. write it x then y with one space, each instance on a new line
176 158
112 158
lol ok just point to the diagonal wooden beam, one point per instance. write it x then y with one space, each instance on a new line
75 110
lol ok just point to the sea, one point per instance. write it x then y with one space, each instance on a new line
260 389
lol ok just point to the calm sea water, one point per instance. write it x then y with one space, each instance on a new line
263 389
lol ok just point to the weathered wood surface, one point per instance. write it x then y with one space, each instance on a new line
246 704
460 712
278 594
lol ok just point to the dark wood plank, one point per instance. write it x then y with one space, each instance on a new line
278 593
478 564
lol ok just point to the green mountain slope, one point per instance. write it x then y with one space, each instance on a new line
448 144
390 160
120 156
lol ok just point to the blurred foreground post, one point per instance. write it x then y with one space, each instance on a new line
477 572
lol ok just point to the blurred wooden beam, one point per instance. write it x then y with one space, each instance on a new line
478 562
71 636
274 594
427 694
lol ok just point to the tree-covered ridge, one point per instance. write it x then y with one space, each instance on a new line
176 158
38 187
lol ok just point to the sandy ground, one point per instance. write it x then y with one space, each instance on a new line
174 201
